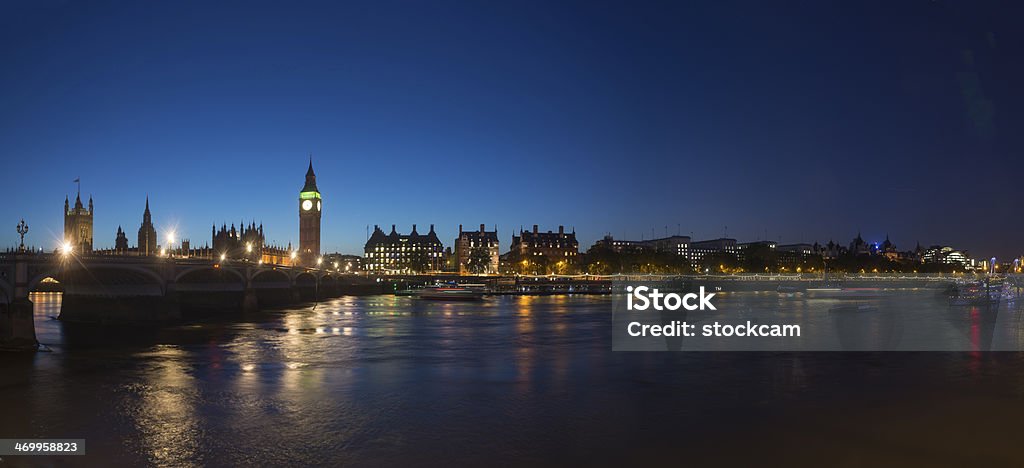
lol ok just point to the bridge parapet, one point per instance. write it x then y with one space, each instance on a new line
141 288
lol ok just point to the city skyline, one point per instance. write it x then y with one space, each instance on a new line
690 117
198 241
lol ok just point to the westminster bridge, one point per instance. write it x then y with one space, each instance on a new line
157 288
125 288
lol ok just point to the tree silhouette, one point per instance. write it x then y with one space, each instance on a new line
479 260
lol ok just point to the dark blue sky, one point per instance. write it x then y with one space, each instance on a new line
807 120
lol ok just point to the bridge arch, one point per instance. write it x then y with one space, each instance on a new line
305 279
49 281
98 275
271 276
209 272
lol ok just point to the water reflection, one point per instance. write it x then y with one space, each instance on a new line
392 380
161 407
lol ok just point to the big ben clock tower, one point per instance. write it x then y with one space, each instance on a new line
309 217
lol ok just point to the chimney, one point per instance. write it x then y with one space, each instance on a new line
534 228
481 229
460 229
561 229
431 228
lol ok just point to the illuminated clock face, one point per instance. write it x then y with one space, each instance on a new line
307 205
318 205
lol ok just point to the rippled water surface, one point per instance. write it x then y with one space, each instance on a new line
515 380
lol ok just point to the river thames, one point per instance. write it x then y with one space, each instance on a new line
384 380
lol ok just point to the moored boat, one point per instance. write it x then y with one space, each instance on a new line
986 291
451 293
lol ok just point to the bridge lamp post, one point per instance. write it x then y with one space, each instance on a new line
22 230
170 244
66 248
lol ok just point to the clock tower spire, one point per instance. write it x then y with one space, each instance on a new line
310 208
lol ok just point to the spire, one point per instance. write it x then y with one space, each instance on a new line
146 216
310 178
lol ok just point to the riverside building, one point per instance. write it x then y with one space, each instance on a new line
403 253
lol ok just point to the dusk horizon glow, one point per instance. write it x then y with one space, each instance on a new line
806 123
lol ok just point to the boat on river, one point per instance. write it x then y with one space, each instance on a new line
989 290
451 293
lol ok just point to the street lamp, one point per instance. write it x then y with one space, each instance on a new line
22 230
66 248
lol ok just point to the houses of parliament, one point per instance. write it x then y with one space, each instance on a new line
243 242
